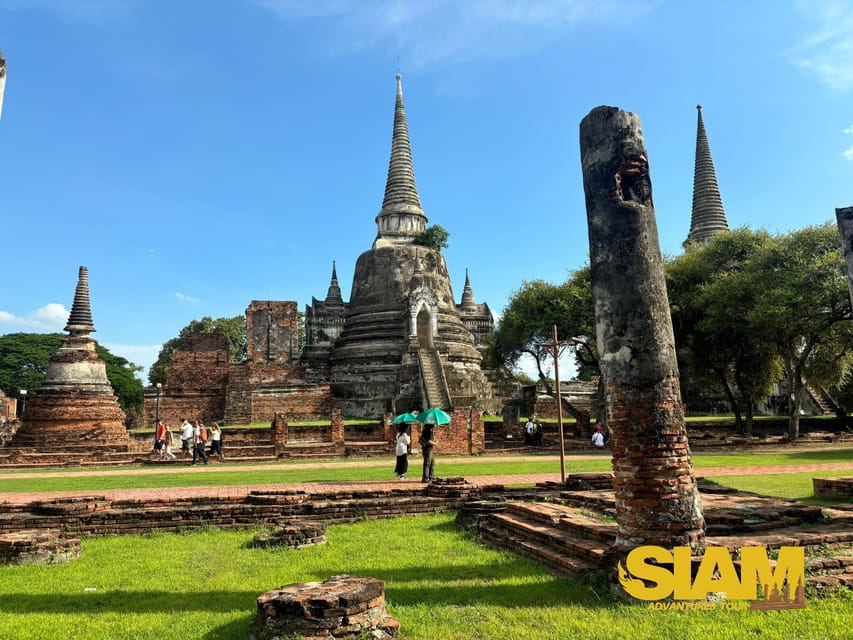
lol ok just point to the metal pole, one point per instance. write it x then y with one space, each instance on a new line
159 389
559 406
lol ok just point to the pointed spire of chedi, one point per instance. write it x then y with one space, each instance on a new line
80 318
334 294
469 304
708 216
401 217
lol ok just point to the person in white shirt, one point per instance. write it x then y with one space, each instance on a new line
529 428
186 437
403 442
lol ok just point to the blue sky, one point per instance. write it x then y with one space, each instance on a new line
200 154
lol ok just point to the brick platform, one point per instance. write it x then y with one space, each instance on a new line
42 546
342 607
833 487
295 534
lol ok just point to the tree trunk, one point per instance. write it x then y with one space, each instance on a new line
727 389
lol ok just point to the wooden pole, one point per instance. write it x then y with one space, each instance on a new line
556 354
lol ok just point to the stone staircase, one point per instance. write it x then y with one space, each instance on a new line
564 540
432 376
574 540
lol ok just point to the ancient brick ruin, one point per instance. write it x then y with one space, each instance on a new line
295 534
37 546
342 607
202 383
75 407
657 501
399 344
844 217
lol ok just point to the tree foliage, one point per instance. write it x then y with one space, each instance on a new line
527 323
749 305
24 358
232 328
802 306
710 303
434 236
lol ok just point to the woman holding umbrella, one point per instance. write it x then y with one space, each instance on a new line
403 442
430 418
427 446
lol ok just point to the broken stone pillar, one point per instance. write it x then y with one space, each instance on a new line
657 501
280 433
845 228
341 608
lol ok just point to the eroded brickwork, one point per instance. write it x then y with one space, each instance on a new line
657 501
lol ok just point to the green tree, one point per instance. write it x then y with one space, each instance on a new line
528 322
435 237
232 328
710 304
802 306
24 358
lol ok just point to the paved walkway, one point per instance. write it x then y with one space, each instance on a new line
326 487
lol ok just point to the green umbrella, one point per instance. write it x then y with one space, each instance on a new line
433 415
405 417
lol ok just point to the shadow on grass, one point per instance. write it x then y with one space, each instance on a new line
458 585
128 601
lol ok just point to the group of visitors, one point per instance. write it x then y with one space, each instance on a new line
404 446
533 432
195 439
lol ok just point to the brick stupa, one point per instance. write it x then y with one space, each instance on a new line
75 405
401 342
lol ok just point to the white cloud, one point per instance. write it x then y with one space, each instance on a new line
848 130
849 154
438 31
828 49
185 298
51 317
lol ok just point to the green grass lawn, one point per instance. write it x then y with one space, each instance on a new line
440 583
182 476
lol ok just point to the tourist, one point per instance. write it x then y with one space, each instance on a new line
168 441
216 440
598 437
186 437
427 446
537 433
529 428
159 436
199 440
403 442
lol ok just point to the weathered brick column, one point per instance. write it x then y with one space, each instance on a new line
389 430
336 427
279 432
845 228
657 502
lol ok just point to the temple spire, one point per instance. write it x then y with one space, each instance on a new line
401 217
708 216
2 79
334 293
468 301
80 318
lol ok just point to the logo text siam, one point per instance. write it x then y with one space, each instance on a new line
656 573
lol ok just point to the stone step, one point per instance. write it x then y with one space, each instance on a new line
566 519
559 540
555 562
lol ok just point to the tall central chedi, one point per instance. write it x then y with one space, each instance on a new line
404 343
